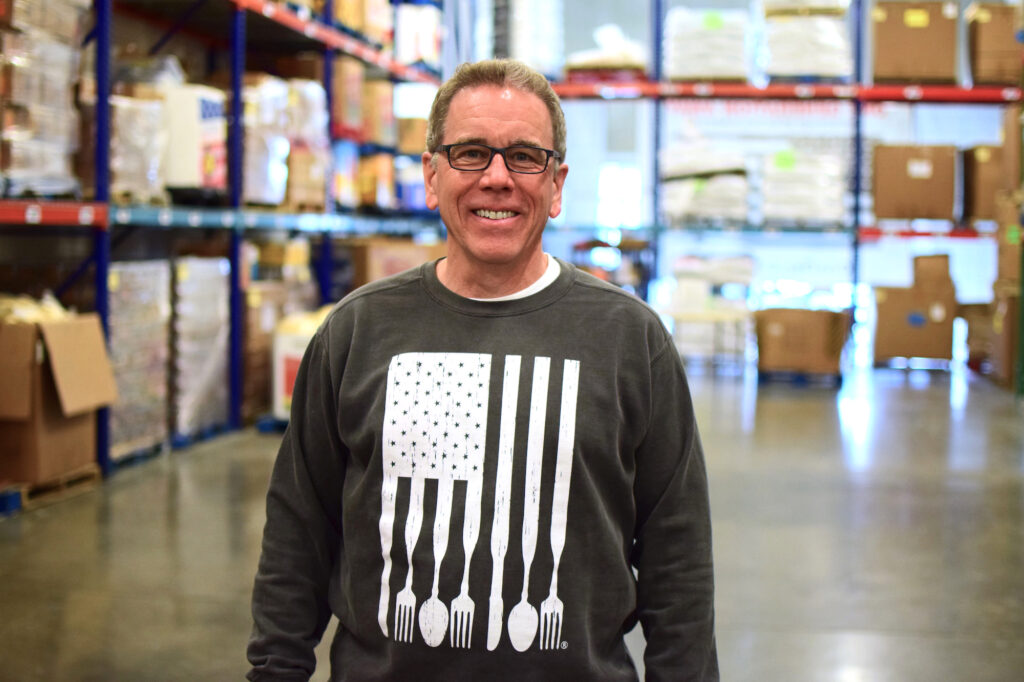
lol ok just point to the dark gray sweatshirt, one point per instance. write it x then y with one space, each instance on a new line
488 490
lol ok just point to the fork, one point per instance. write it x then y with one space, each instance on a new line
551 609
461 630
405 601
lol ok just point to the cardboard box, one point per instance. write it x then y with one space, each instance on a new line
347 96
1005 332
983 168
196 124
915 42
307 179
914 323
1008 237
793 340
291 337
412 135
55 374
374 258
914 181
931 272
379 124
1010 157
376 181
995 54
978 317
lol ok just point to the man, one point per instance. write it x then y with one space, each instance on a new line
483 449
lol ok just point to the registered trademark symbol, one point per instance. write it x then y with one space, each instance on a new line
564 645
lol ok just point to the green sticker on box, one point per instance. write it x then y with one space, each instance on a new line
713 21
785 160
1013 235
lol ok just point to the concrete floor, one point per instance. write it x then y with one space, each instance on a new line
868 534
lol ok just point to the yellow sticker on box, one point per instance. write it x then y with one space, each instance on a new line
879 14
983 154
113 281
916 18
182 272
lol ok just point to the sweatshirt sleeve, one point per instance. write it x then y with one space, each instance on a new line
302 535
672 548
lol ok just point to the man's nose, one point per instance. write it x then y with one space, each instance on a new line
497 172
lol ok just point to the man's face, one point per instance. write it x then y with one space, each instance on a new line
495 216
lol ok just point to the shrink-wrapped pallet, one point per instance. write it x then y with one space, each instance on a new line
200 333
803 186
137 145
706 44
140 314
808 46
265 107
38 71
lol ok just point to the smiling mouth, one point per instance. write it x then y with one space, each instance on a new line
495 215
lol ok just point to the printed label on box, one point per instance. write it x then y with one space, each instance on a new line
920 169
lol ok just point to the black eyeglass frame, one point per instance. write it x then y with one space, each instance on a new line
548 155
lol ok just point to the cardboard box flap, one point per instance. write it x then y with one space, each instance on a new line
17 355
81 368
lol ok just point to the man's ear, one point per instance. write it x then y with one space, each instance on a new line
429 177
556 198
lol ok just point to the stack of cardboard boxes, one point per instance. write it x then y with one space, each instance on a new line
917 321
916 42
1003 330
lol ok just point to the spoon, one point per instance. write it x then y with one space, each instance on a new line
523 620
433 612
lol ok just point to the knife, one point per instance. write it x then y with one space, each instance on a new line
502 498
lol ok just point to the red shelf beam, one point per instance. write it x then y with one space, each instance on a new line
939 93
66 213
334 38
874 234
789 91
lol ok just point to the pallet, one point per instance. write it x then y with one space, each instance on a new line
184 440
135 452
800 378
271 424
908 363
299 206
159 199
25 496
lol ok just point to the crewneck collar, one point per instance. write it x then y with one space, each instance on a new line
496 308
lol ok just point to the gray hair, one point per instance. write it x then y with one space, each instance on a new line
503 73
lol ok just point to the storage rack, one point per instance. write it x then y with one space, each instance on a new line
858 93
272 24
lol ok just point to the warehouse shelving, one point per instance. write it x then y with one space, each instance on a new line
272 26
859 92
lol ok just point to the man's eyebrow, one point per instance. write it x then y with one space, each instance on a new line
515 143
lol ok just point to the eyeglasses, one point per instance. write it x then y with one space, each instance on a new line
519 158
